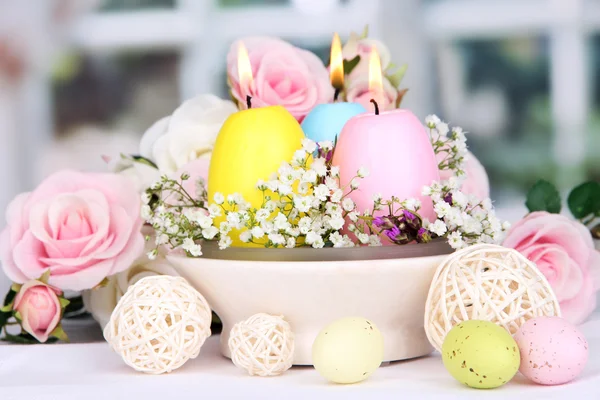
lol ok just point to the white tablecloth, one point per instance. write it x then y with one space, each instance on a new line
88 371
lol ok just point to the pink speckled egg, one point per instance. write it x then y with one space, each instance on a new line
553 351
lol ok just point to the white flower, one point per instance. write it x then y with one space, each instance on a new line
245 236
290 243
284 189
312 237
377 197
354 184
225 242
442 128
337 239
442 209
319 243
432 121
257 232
426 191
276 238
486 204
214 210
363 172
188 134
321 192
146 212
472 225
299 157
304 225
334 171
374 240
456 241
191 247
336 223
234 220
318 165
353 216
459 199
303 203
287 175
412 204
455 217
262 214
337 195
309 146
363 238
219 198
348 204
309 176
331 183
204 221
224 228
280 222
438 227
210 232
505 225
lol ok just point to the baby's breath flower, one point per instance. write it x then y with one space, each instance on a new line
354 184
363 172
245 236
348 204
309 146
218 198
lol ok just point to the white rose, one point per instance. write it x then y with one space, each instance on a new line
102 301
188 134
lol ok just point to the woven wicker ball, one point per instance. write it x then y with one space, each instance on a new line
490 283
263 345
159 324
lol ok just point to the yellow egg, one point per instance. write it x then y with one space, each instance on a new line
480 354
251 146
348 350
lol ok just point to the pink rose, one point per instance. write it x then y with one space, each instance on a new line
283 75
476 183
39 309
564 251
82 227
357 91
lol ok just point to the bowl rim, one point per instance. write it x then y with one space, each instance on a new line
437 247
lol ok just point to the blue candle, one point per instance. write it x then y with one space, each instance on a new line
326 121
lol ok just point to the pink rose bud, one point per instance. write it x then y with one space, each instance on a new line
39 308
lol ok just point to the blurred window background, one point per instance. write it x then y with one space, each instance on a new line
520 75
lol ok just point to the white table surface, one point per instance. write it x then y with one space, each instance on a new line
91 371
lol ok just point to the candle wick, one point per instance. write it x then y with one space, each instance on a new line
337 94
249 102
376 106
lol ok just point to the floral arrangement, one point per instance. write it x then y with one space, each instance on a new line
98 233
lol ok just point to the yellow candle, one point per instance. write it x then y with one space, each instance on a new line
251 146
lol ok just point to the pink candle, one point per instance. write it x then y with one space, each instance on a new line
396 150
393 146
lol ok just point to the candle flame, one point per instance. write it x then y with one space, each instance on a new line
375 78
336 66
244 67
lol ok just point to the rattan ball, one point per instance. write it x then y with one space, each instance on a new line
490 283
160 323
262 345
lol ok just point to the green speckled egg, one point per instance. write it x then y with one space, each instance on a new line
480 354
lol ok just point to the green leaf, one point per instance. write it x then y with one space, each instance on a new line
349 65
20 339
144 160
543 196
584 200
45 276
59 333
4 317
396 78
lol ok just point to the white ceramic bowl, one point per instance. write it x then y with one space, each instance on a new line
311 294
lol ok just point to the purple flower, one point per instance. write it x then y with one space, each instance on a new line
448 198
383 222
423 236
397 236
